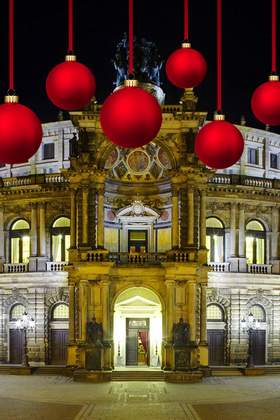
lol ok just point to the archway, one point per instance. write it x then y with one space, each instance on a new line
137 328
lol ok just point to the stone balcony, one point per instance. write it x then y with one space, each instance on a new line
248 181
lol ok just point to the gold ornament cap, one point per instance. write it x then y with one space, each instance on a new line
219 117
70 57
273 78
186 44
11 99
131 83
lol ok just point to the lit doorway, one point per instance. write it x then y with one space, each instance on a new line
137 328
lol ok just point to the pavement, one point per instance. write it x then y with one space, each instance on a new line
216 398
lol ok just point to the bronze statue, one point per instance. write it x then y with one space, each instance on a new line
94 332
180 333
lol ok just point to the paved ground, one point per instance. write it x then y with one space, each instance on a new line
59 398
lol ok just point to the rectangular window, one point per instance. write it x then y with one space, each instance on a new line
273 161
253 156
2 165
48 151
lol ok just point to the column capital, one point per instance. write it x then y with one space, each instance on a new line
170 282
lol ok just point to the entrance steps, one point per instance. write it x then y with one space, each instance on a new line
226 371
148 375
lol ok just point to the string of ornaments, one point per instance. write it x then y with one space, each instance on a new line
131 117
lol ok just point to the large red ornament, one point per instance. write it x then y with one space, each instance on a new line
186 67
20 133
70 85
131 117
265 102
219 144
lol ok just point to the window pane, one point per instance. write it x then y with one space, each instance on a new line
208 246
137 235
61 312
20 224
67 246
253 156
25 249
56 247
258 312
48 151
17 311
15 250
213 222
218 248
273 161
255 225
62 222
214 312
249 249
260 251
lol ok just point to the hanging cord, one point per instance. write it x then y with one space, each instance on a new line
219 56
186 20
273 37
70 27
11 46
130 38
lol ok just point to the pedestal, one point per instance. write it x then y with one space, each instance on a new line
181 358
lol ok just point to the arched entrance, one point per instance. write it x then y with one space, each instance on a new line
137 328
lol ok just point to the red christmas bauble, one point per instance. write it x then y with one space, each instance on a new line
219 144
131 117
186 68
70 85
265 102
20 133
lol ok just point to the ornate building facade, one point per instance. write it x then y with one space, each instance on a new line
144 242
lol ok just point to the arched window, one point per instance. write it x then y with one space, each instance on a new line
215 239
214 313
255 242
258 312
60 312
20 241
16 311
60 239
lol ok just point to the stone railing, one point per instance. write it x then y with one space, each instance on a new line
97 255
32 180
220 267
15 268
56 266
259 268
250 181
148 258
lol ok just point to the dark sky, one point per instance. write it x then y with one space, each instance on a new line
41 42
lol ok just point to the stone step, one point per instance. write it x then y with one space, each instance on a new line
226 371
131 375
53 370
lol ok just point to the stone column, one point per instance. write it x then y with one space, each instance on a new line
73 219
71 312
233 230
83 310
202 219
33 231
85 216
100 216
192 309
203 315
2 239
175 217
42 229
241 242
105 308
170 293
190 215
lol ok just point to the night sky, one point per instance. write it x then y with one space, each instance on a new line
41 42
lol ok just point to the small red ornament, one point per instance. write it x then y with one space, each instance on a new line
70 85
20 132
186 67
219 144
265 102
131 117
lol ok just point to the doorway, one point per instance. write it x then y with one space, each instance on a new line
258 347
16 346
216 342
138 241
59 343
137 342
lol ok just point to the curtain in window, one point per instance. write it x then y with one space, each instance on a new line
56 247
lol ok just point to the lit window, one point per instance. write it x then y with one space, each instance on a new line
60 311
255 242
60 239
16 312
253 156
214 313
20 242
215 234
258 312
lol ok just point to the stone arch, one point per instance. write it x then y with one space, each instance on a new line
9 223
144 286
